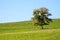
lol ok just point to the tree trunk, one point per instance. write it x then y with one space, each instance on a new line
42 27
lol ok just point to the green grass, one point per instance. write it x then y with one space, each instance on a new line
42 35
50 32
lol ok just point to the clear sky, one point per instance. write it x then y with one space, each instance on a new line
20 10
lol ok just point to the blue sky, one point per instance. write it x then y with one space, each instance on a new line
21 10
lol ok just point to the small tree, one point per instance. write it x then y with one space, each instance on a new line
40 16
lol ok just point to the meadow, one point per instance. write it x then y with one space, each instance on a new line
25 30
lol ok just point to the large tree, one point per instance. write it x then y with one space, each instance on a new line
40 16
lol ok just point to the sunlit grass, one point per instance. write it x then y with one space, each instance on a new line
50 32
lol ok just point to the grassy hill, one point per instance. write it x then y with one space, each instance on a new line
26 31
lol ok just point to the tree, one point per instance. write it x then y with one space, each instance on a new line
40 17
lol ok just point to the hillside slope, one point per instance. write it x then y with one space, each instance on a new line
27 25
27 31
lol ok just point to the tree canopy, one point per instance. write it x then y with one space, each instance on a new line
40 16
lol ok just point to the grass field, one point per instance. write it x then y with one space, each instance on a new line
26 31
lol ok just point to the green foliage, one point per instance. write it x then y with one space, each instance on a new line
40 16
43 10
